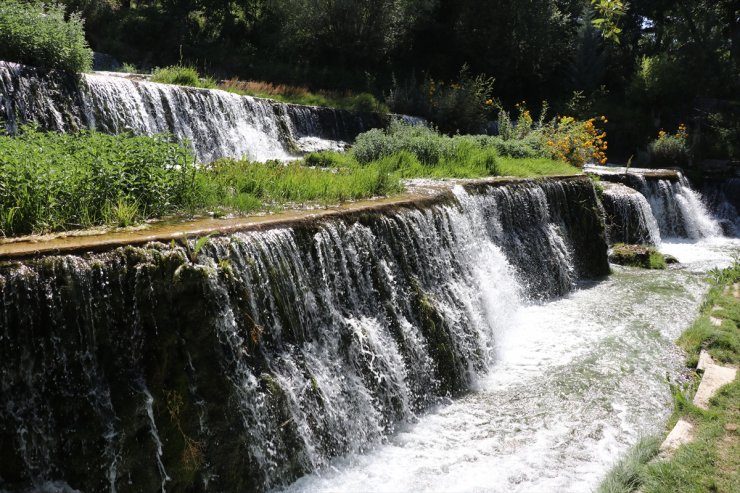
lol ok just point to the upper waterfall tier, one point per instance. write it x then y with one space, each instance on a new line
270 353
216 123
679 210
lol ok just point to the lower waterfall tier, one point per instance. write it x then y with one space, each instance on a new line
266 355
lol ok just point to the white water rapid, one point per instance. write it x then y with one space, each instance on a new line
575 383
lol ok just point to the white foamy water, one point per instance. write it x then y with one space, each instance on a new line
576 382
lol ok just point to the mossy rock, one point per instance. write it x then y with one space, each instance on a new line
643 256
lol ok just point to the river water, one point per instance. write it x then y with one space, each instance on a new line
575 383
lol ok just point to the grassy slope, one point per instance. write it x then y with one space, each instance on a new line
55 182
712 461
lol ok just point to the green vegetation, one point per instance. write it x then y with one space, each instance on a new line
711 462
244 187
670 150
363 102
722 342
37 33
528 156
623 59
182 76
625 476
643 256
51 182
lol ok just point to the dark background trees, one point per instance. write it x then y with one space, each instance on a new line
675 60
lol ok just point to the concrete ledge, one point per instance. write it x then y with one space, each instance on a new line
681 434
423 194
715 376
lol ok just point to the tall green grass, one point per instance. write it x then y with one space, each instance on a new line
52 181
182 76
245 186
40 33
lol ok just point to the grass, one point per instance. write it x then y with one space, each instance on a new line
244 186
625 476
182 76
723 341
711 462
54 182
362 102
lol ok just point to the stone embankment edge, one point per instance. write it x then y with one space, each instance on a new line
82 242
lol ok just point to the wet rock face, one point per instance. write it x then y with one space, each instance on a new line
271 352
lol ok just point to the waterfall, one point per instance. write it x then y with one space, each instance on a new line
216 123
723 199
629 217
679 209
277 351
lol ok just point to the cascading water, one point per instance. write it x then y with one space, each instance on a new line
679 209
277 351
723 198
216 123
629 218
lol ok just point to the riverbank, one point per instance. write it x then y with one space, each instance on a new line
709 460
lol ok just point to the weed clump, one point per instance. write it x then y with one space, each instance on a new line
41 34
182 76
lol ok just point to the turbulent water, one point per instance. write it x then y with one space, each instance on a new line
216 123
680 210
629 217
575 383
278 351
664 208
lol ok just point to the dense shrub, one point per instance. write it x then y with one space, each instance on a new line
51 181
670 150
462 106
564 138
182 76
37 33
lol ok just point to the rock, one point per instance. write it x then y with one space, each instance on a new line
705 360
643 256
681 434
732 427
715 376
671 260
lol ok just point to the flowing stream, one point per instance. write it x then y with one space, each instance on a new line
575 383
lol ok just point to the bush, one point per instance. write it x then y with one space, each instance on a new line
462 106
670 150
51 181
424 143
514 148
36 33
182 76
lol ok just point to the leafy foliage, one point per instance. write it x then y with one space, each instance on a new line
182 76
52 181
670 149
38 33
